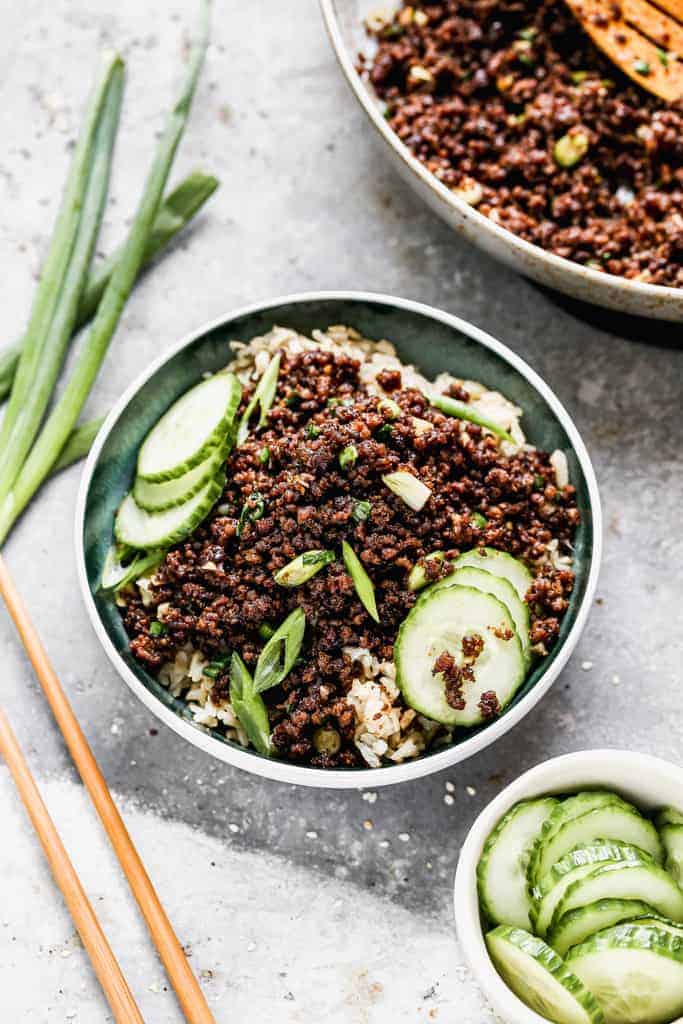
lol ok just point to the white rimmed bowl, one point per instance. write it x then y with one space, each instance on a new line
432 339
344 21
643 780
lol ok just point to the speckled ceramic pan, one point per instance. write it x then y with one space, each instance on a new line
435 342
344 20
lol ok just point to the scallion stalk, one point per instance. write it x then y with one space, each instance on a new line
361 581
23 421
418 576
408 488
277 658
303 568
463 411
79 443
176 211
65 413
249 707
263 397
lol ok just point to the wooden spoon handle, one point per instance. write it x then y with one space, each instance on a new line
105 964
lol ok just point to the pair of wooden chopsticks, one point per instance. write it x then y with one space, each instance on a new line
109 973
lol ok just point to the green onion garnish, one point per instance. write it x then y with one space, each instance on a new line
663 57
478 519
312 431
361 581
418 578
264 456
263 397
361 511
390 407
280 653
408 488
303 568
157 628
463 411
293 400
116 576
217 667
252 511
265 630
332 403
641 67
385 432
348 456
249 706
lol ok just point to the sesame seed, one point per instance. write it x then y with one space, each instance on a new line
233 827
449 800
450 787
367 824
470 790
586 666
616 679
404 837
311 835
383 843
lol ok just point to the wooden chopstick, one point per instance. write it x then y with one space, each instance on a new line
104 962
188 992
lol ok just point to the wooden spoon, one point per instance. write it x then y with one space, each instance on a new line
643 39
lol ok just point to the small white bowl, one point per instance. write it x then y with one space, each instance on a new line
645 781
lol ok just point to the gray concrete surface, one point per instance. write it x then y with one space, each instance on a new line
293 908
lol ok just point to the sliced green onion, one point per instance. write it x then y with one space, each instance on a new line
571 148
362 510
116 576
641 67
663 57
312 431
332 403
408 488
249 706
265 630
303 568
293 400
418 577
361 581
65 413
252 511
280 653
263 397
479 520
385 432
326 740
348 456
463 411
176 211
157 628
56 303
392 408
264 456
217 667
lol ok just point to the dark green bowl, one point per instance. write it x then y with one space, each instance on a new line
435 342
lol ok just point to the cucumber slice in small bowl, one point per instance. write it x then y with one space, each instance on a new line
501 872
574 866
649 883
576 926
540 978
489 583
143 530
616 821
636 973
668 816
567 810
499 563
439 623
196 423
672 837
162 496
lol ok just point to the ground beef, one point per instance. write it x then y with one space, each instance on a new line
217 587
481 92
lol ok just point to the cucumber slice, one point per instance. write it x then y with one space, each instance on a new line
501 588
672 837
577 864
438 623
616 821
571 808
500 564
501 871
184 436
541 978
656 921
159 497
625 880
576 926
668 816
140 529
635 973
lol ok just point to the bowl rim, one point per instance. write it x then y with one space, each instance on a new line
536 781
564 268
283 771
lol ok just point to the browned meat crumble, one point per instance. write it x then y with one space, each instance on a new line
482 91
218 586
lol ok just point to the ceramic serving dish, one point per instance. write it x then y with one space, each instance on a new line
345 24
434 341
643 780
